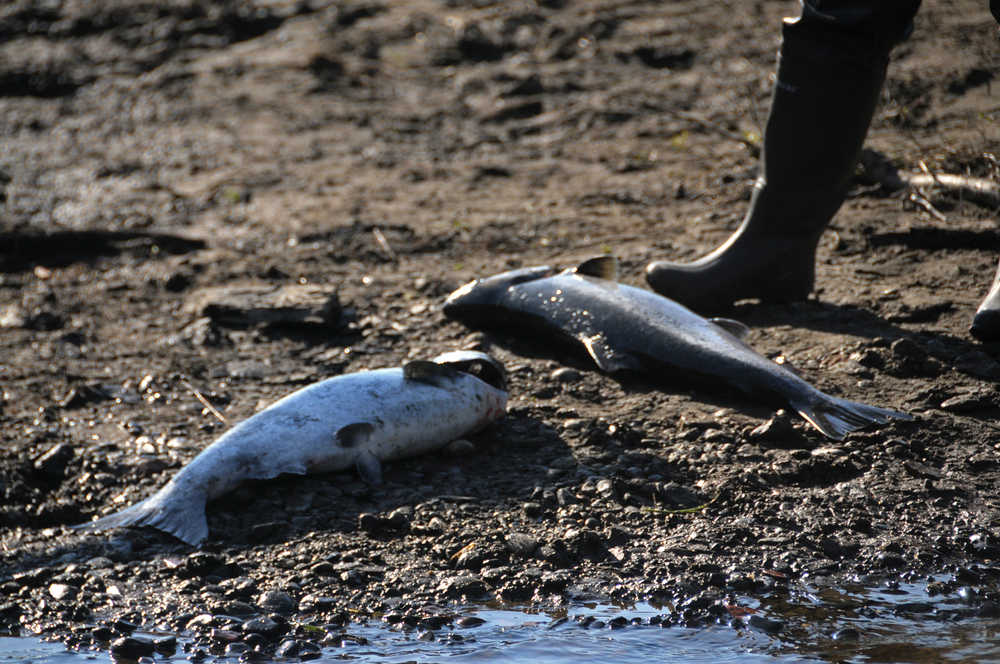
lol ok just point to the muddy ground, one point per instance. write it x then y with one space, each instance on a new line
388 152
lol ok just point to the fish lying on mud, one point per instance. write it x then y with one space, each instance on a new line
353 420
627 328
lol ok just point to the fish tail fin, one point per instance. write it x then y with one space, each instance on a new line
835 417
184 518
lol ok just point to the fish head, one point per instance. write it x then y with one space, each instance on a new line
481 301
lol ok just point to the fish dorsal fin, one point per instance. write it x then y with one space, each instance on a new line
733 327
607 358
602 267
426 371
355 434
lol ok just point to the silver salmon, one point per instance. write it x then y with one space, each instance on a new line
354 420
626 328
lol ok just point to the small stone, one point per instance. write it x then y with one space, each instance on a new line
103 633
288 648
399 518
565 497
768 625
63 592
469 621
263 625
132 647
370 523
778 432
165 645
462 586
606 488
276 601
521 544
566 375
532 510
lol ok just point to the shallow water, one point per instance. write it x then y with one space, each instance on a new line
887 623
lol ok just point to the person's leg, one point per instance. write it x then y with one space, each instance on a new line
986 322
830 73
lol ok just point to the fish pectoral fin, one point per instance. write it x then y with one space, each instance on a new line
369 468
602 267
354 434
607 358
425 371
733 327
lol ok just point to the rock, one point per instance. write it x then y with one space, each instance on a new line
263 625
288 648
565 497
276 601
254 304
459 587
531 509
103 633
469 621
521 543
199 565
371 523
606 488
63 592
778 432
132 647
767 625
399 518
566 375
165 645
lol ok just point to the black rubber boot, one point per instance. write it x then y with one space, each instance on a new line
822 105
986 322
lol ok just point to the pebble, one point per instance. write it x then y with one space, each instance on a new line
62 591
277 601
521 544
566 375
132 647
165 645
262 625
462 586
565 497
469 621
288 648
768 625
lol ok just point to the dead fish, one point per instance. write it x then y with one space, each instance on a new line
626 328
357 419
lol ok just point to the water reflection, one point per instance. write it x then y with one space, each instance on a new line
898 622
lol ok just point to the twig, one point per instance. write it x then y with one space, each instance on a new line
384 243
918 198
206 403
981 191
